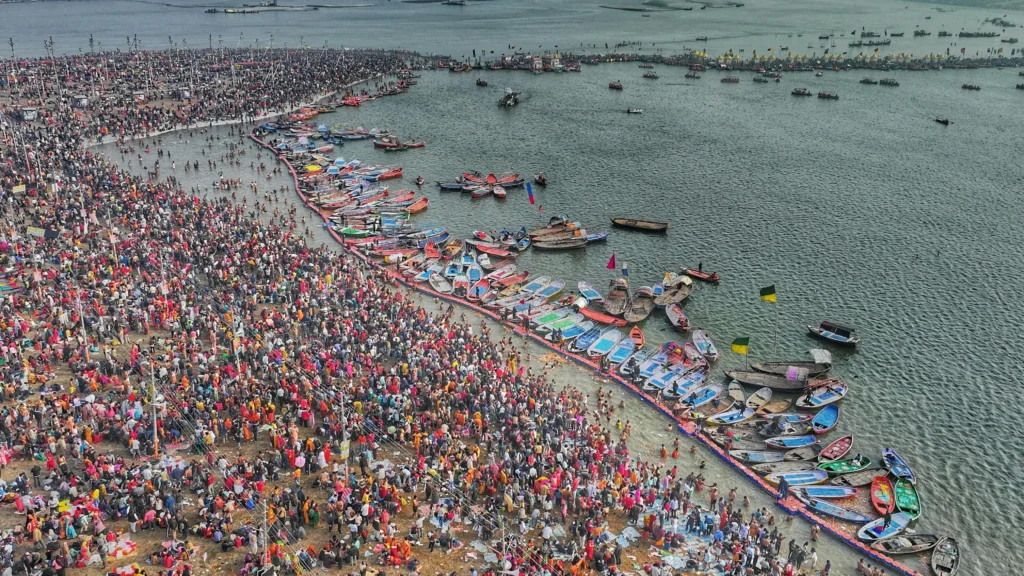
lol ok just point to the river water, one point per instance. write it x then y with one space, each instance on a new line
863 210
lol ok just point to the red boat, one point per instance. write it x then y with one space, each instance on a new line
701 275
514 279
601 317
495 251
415 144
883 496
396 173
431 250
386 144
492 179
472 178
615 85
837 449
508 179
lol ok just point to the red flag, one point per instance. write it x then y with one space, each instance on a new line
963 50
611 262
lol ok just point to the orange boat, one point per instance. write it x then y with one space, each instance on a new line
396 173
638 336
418 206
701 275
601 317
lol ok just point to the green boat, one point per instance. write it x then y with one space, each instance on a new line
845 466
354 232
552 316
907 500
559 325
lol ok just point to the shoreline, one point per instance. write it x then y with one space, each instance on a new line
231 122
791 505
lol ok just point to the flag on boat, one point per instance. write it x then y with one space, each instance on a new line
529 192
768 294
611 262
741 345
625 269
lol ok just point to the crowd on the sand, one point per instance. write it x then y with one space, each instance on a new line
172 363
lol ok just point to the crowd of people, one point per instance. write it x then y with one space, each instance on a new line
175 363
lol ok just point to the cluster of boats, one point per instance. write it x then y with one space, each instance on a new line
780 438
479 185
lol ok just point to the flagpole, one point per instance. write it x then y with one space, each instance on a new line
775 354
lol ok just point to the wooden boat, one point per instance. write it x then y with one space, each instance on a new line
441 284
642 225
773 467
803 454
622 351
835 333
460 286
862 478
792 417
882 497
608 340
761 457
452 248
617 300
675 290
826 419
589 292
477 290
559 231
787 442
567 244
808 368
777 406
834 510
897 465
906 544
555 222
710 277
501 273
823 393
677 318
702 340
876 530
837 449
836 467
830 492
736 393
535 285
602 318
759 398
946 557
907 499
641 305
798 478
570 333
760 379
431 250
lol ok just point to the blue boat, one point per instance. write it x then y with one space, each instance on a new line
877 531
575 330
453 270
586 339
639 356
702 396
802 478
835 333
757 456
830 509
731 417
450 185
589 292
536 284
830 492
825 420
622 351
599 237
786 442
897 465
551 289
608 340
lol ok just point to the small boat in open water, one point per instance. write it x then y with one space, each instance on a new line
836 333
642 225
946 557
711 277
